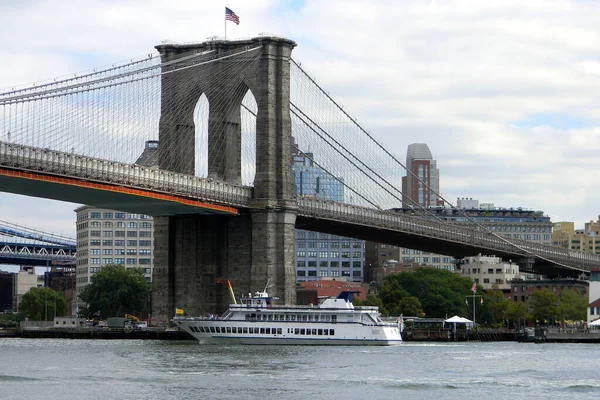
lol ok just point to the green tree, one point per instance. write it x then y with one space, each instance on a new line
573 306
371 300
43 304
494 308
543 305
115 291
440 292
516 312
410 305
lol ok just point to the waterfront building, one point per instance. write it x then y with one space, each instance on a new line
320 255
593 309
63 280
23 280
521 290
112 237
489 272
314 292
6 291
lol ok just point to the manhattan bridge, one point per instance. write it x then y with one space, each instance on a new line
227 117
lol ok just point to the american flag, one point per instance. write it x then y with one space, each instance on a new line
474 288
231 16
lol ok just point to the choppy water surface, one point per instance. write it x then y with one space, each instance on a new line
131 369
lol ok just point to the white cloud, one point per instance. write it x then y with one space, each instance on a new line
457 75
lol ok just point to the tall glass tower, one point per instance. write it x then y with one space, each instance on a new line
320 255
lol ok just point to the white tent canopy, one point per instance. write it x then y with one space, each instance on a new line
595 323
459 320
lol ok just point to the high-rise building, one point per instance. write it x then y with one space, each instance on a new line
112 237
320 255
422 180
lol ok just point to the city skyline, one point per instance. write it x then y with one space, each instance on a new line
507 106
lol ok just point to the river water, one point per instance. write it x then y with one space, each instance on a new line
144 369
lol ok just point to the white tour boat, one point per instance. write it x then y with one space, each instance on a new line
257 321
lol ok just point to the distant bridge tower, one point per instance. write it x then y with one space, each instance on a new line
192 251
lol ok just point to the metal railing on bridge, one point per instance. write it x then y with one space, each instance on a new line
447 231
205 189
75 166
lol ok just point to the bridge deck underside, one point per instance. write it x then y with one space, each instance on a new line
103 196
423 243
34 262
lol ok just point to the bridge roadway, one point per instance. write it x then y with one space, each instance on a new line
35 254
187 194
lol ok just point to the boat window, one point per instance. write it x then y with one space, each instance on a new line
316 317
193 328
212 329
308 331
331 332
245 329
279 331
334 318
270 317
287 317
303 331
268 331
320 332
228 329
297 331
218 328
265 317
325 332
262 330
314 331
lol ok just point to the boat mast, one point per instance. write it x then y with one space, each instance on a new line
223 280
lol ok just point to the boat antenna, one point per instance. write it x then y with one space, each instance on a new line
267 285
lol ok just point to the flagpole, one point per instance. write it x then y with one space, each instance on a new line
474 323
225 23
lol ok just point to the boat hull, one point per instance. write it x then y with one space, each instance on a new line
261 333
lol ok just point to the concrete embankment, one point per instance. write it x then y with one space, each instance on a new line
105 334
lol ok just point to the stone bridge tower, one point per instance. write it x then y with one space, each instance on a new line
192 251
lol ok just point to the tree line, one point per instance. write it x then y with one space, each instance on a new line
113 291
436 293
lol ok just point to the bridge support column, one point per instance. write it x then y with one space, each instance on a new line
191 251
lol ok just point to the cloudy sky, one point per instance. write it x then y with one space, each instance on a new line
504 93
